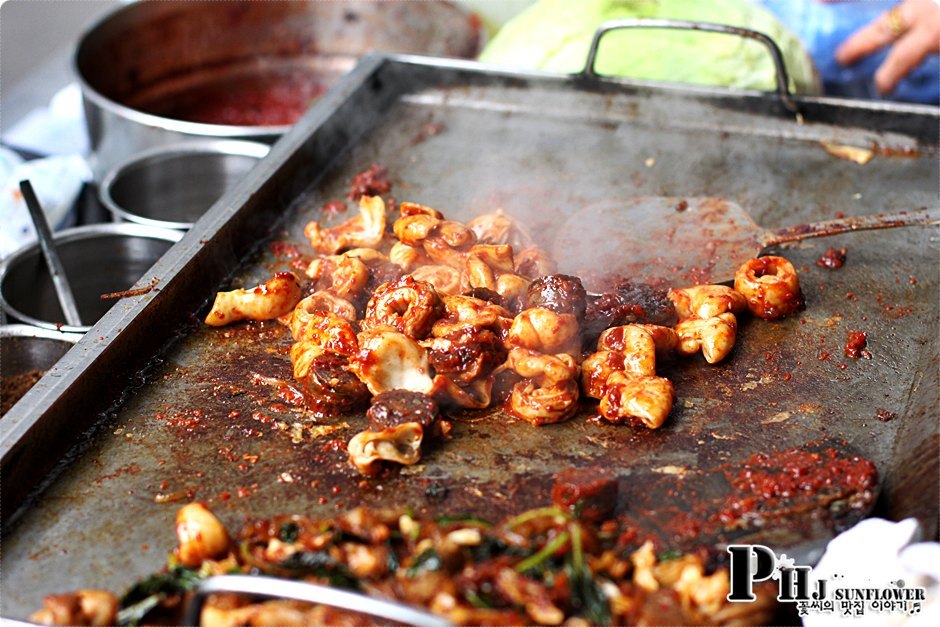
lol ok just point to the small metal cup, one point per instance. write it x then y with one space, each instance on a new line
24 348
171 187
98 259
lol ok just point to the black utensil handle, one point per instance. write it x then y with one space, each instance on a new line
783 88
919 217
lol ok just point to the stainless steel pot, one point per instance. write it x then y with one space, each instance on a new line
171 187
98 259
142 67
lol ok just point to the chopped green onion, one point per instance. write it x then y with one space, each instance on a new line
532 514
543 554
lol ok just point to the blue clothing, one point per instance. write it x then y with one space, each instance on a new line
822 27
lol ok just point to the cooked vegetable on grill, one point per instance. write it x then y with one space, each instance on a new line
572 561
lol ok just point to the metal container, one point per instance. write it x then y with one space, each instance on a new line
25 348
179 404
98 259
146 65
171 187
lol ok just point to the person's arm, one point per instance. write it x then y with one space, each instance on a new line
912 29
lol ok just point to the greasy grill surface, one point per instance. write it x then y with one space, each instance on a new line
209 425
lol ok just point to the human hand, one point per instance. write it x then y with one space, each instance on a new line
912 29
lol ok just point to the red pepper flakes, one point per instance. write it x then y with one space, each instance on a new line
787 377
225 496
885 416
832 259
322 500
856 345
823 356
913 281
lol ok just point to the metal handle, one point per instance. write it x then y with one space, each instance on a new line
311 593
783 89
60 281
920 217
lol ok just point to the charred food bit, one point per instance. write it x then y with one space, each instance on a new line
271 300
591 492
397 407
856 345
770 285
833 258
370 182
561 293
399 420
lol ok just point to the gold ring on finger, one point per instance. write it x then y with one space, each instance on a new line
895 22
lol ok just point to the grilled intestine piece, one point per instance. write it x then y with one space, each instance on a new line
319 333
545 331
548 392
596 368
273 299
622 374
706 301
498 228
399 421
770 285
83 607
363 231
321 301
408 258
466 312
389 360
533 262
637 399
445 280
466 355
407 305
200 534
401 445
713 336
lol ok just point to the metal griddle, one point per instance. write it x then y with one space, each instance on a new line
152 405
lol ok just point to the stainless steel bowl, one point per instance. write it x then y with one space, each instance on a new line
145 66
171 187
98 259
24 349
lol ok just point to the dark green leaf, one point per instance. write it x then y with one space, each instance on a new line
289 532
319 564
670 554
177 580
427 560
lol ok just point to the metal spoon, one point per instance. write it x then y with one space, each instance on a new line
59 279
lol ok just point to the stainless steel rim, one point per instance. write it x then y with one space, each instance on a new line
232 147
25 330
147 119
71 235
